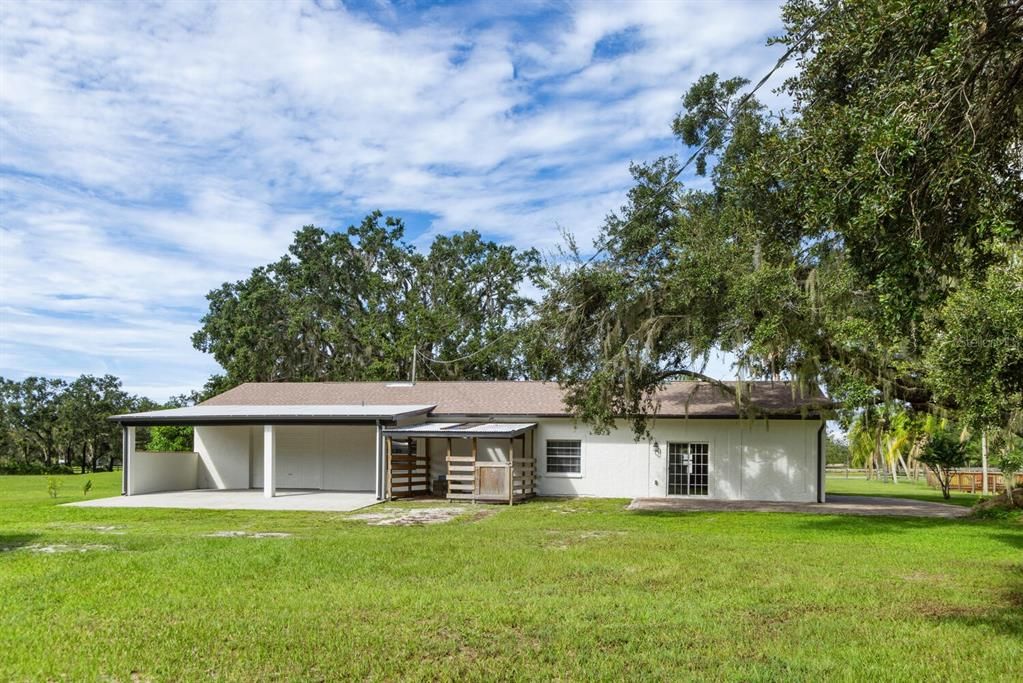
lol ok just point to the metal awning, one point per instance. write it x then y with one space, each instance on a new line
271 414
484 430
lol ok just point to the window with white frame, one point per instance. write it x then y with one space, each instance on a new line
564 457
688 469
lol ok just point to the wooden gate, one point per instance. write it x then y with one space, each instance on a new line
493 481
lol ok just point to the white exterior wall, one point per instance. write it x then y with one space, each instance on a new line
748 460
330 457
487 450
223 457
613 465
150 472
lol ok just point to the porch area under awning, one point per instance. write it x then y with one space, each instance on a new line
267 448
477 461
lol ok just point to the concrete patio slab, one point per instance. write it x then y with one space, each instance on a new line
239 499
871 506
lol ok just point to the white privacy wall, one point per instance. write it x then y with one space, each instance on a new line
223 457
748 460
150 472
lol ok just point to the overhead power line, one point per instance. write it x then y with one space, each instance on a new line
738 107
674 176
452 361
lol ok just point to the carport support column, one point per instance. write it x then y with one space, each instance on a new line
128 454
378 456
269 461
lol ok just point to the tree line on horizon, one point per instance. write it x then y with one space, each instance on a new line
50 425
867 239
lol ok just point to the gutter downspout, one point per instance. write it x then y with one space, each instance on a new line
820 463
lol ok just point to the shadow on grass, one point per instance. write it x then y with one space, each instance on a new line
15 541
899 525
856 524
1004 617
1015 540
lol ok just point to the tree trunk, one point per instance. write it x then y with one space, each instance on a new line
983 464
945 479
905 467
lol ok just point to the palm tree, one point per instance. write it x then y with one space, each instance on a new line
889 437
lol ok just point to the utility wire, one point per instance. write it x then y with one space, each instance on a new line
428 360
469 355
738 108
674 176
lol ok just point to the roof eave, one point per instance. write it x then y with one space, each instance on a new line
150 420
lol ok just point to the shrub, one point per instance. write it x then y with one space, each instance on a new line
1010 462
53 486
1006 505
942 454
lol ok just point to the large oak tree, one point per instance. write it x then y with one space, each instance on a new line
360 304
842 241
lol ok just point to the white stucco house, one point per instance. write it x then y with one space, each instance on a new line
485 441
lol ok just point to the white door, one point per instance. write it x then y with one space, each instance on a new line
300 457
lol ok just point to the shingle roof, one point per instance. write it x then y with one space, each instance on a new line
506 398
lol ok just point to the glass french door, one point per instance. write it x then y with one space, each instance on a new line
688 469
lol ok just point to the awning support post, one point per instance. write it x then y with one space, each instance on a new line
387 478
475 470
511 470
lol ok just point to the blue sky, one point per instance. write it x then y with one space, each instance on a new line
151 151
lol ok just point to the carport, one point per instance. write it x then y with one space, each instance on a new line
266 447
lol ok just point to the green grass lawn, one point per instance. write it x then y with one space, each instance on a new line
551 589
858 486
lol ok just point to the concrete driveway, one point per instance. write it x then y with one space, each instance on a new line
241 499
835 505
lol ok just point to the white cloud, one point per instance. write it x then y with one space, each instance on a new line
150 152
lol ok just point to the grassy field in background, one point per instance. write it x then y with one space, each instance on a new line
565 589
859 486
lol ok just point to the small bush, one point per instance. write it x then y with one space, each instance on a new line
53 486
1000 506
942 454
86 487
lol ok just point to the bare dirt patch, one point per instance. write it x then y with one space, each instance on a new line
248 534
409 517
927 577
561 540
117 530
57 548
481 514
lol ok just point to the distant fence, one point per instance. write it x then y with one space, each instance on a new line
863 473
968 479
971 479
